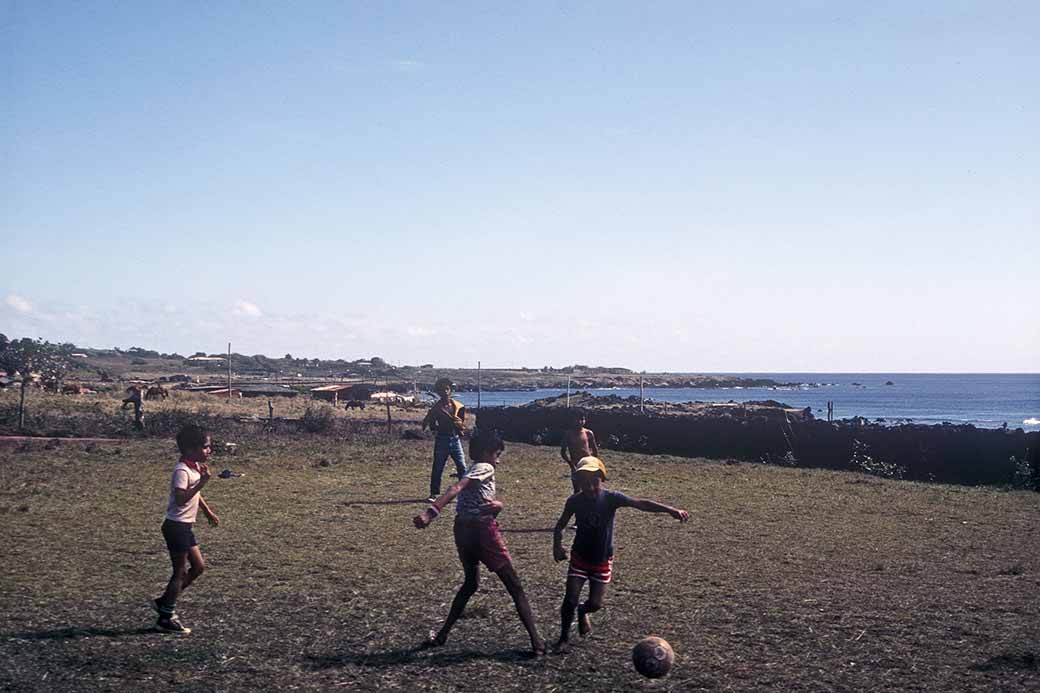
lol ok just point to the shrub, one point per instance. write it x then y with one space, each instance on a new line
318 419
862 461
1022 474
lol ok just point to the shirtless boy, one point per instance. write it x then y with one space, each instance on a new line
578 442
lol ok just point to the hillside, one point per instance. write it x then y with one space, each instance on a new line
113 365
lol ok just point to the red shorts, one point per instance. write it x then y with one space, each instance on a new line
586 570
480 541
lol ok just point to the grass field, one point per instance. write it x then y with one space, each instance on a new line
784 578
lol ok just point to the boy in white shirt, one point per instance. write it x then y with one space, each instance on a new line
189 476
477 538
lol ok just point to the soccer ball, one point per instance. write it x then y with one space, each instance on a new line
653 657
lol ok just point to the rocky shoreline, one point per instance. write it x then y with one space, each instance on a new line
468 383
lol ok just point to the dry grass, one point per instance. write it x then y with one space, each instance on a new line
103 415
784 578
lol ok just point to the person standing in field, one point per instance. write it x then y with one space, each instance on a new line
134 398
477 538
446 418
578 442
189 476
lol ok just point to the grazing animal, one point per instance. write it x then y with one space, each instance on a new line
156 391
355 404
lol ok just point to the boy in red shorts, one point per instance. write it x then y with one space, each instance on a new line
592 554
477 538
189 476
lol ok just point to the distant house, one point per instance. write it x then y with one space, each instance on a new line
203 359
78 355
338 393
246 390
179 378
223 392
331 393
250 390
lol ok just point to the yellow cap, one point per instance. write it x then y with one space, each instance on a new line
591 464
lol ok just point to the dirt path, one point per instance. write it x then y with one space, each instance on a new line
27 439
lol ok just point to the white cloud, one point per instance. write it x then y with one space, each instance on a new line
420 331
247 309
19 304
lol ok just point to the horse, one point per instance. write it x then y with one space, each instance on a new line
156 391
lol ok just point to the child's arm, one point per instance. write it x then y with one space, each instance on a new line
493 507
565 453
592 442
649 506
427 419
214 521
423 519
183 495
559 553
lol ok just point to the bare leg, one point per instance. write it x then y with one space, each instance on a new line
511 581
458 605
198 567
570 604
597 590
173 588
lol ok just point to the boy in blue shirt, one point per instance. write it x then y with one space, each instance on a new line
592 554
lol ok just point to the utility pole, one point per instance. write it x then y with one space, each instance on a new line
229 371
387 400
568 390
641 398
478 385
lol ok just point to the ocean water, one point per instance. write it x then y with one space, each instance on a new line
983 400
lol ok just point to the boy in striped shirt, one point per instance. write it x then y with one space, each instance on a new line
477 538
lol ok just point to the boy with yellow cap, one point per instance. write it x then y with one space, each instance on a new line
592 553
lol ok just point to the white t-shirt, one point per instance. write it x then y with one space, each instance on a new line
479 491
183 477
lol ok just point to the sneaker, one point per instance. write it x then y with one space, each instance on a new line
431 499
172 625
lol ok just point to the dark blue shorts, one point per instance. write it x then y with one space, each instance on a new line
179 537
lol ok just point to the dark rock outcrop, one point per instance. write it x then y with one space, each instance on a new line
771 432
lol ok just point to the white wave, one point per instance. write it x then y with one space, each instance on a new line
1032 421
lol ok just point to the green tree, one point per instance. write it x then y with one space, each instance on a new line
34 356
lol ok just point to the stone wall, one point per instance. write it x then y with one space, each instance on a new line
943 453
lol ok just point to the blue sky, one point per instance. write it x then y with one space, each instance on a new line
758 186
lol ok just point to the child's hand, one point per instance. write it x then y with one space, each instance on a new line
491 508
680 515
214 521
204 471
422 520
559 554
